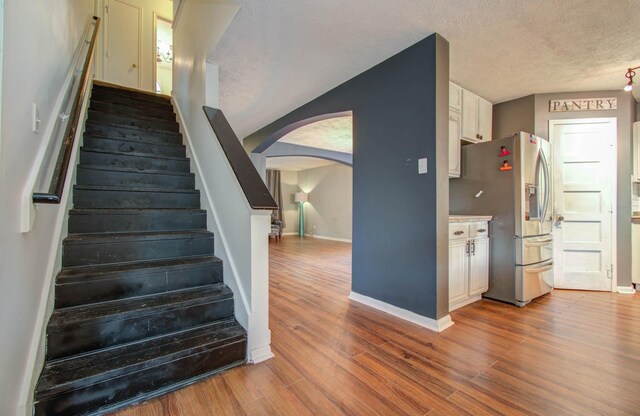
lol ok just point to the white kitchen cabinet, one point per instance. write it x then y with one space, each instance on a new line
477 116
454 144
455 97
458 271
635 246
479 266
636 150
468 262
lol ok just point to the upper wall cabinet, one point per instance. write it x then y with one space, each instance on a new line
470 112
476 118
455 97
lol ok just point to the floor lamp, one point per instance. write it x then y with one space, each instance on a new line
301 198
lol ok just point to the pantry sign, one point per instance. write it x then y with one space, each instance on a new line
583 104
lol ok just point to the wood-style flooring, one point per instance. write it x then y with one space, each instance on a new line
568 353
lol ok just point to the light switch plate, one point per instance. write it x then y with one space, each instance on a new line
422 166
35 123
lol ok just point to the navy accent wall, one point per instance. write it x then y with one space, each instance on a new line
400 110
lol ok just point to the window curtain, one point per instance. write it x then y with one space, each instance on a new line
275 187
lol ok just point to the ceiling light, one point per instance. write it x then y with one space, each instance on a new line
629 75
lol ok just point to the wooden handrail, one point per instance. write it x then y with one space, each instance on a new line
54 196
254 189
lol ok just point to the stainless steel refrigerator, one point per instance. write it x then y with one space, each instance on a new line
510 179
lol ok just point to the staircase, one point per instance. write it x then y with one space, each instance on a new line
140 307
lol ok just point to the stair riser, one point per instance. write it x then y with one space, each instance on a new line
131 134
133 179
133 162
126 251
66 340
134 222
133 95
136 147
126 285
129 110
136 200
133 122
141 386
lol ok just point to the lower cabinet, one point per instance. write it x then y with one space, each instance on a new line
468 263
635 248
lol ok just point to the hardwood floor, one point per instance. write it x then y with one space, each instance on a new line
568 353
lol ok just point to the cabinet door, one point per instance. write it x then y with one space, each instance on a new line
455 96
469 116
454 144
636 151
635 248
458 270
485 113
479 266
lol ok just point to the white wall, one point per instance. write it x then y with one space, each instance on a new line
240 233
162 7
40 38
330 205
289 184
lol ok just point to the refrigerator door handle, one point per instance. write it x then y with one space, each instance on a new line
547 186
538 242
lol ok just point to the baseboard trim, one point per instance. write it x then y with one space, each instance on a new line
627 290
432 324
289 233
324 237
260 354
465 302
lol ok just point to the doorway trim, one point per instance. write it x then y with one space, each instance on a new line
157 16
613 122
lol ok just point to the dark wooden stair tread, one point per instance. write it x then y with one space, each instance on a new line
96 366
147 155
135 189
90 136
134 170
69 275
78 239
140 306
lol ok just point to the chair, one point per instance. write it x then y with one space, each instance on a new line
276 228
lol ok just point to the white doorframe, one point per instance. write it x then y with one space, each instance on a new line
140 40
154 64
613 122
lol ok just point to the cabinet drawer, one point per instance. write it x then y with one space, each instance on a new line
479 230
458 231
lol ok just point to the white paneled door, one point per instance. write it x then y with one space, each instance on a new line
584 178
123 43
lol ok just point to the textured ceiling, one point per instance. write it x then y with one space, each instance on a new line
280 54
296 163
330 134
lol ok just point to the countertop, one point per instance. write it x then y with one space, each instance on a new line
474 218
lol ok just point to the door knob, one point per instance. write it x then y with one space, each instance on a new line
134 66
559 218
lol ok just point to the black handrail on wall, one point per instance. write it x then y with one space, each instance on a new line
254 189
56 187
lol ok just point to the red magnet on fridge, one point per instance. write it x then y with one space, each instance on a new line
504 151
506 166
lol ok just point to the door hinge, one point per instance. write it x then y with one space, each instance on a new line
610 272
106 8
